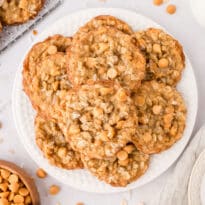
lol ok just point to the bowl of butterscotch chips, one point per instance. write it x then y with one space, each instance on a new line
16 186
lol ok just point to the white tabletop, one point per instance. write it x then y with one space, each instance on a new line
182 25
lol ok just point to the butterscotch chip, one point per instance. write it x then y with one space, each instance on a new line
13 178
41 173
23 192
4 186
164 56
54 189
106 54
101 121
17 12
116 173
80 203
18 199
157 2
104 21
5 173
45 78
28 200
4 194
4 201
171 9
162 117
35 32
52 143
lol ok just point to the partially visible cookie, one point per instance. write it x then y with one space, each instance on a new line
164 56
106 54
52 143
19 11
99 119
45 78
104 20
162 117
126 167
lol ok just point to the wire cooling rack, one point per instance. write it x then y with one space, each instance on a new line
11 34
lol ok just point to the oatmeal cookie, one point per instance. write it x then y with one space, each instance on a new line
52 143
99 119
19 11
45 78
104 20
47 84
164 56
106 54
128 165
162 117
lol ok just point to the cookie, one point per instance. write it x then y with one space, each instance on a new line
99 119
106 54
19 11
162 117
45 78
104 20
52 143
164 56
128 165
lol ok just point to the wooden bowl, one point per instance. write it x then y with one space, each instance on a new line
25 178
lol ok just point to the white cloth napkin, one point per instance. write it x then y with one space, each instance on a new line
175 190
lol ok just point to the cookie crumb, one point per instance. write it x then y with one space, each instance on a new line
35 32
157 2
41 173
171 9
54 189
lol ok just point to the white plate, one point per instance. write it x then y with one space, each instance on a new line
196 181
24 114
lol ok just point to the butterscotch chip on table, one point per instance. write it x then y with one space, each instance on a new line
45 78
52 143
54 189
164 56
99 119
41 173
126 167
19 11
106 54
162 117
104 20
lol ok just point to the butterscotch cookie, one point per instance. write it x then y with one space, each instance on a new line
164 56
128 165
52 143
106 54
99 119
45 78
162 117
19 11
104 20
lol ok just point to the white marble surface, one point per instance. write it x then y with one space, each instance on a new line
182 25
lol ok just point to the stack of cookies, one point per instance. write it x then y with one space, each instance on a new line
106 98
18 11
